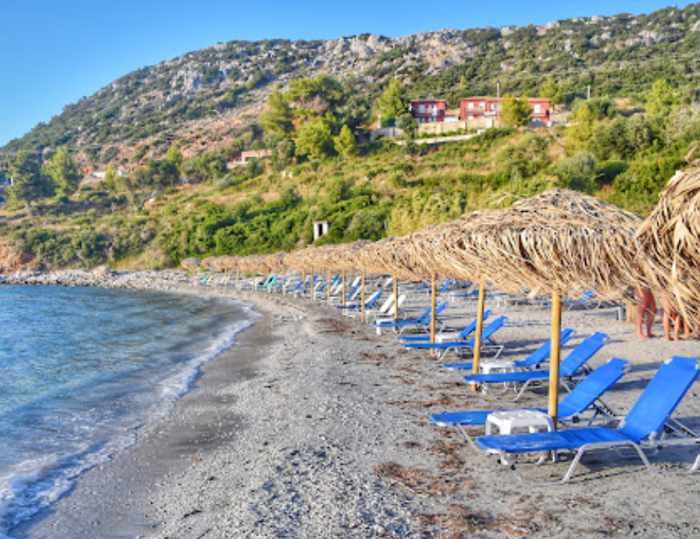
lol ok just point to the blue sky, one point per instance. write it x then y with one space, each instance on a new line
53 52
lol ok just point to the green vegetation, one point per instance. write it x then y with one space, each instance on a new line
515 111
365 190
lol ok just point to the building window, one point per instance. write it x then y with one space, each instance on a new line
470 106
537 109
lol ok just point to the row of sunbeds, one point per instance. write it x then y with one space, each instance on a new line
647 425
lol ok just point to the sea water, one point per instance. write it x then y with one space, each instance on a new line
81 370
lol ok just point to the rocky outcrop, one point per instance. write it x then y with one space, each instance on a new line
12 260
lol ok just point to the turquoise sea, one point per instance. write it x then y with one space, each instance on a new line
81 370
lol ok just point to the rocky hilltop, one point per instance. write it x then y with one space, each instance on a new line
206 98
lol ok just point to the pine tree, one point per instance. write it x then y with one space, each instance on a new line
660 99
174 156
314 139
61 168
391 104
345 143
277 118
515 111
28 183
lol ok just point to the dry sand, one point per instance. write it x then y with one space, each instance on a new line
312 426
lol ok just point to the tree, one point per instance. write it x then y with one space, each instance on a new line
345 143
550 89
282 154
408 124
661 99
278 116
584 122
391 104
174 156
314 139
61 168
515 111
28 183
110 181
579 172
254 168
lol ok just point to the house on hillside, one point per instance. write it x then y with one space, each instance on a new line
428 110
248 155
484 111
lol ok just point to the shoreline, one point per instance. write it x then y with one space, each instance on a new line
327 435
192 428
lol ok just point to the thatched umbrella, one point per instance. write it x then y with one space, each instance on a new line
669 242
561 242
383 257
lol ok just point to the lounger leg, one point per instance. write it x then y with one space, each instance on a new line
641 454
584 448
522 391
468 438
696 465
574 463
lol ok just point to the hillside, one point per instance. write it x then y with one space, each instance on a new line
208 99
169 138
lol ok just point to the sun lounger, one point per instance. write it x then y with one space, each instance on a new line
386 308
572 365
444 347
644 425
446 337
369 303
541 355
585 396
420 321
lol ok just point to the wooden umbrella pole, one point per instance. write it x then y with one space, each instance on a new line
395 283
362 297
554 358
479 326
433 318
239 285
344 289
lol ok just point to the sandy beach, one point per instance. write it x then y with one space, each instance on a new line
314 426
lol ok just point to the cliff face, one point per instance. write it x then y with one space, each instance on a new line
204 98
12 260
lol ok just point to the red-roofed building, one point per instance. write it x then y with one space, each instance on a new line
428 110
484 107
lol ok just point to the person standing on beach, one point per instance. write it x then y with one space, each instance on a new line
646 313
675 326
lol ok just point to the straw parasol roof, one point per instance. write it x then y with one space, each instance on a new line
560 241
341 257
669 241
272 263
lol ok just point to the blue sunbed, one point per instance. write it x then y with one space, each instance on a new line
581 398
574 362
369 303
444 347
535 358
643 425
460 336
422 320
